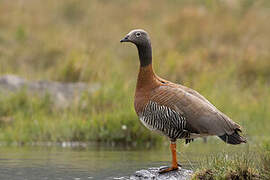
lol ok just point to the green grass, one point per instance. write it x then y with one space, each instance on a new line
222 166
252 164
27 119
265 160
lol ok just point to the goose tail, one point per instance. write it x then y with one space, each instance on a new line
233 138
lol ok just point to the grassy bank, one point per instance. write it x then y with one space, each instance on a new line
221 49
26 118
108 116
242 165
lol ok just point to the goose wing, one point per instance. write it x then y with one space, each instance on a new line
201 116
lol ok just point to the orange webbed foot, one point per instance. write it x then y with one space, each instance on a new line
165 170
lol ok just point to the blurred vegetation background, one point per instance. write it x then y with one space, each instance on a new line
219 48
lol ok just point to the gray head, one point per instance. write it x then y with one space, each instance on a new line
138 37
141 39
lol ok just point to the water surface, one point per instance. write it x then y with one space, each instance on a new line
80 163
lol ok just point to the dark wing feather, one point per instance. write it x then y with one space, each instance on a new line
201 116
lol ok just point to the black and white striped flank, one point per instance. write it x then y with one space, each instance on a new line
165 120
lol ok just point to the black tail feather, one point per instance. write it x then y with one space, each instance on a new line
189 140
234 138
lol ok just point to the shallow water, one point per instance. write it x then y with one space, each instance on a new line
48 163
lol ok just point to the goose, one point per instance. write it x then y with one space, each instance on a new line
174 110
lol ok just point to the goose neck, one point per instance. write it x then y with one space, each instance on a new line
145 54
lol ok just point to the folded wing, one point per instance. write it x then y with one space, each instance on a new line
201 116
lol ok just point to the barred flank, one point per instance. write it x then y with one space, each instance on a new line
166 120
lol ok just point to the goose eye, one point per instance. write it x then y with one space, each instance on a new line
138 34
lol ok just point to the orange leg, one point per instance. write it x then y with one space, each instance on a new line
174 159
